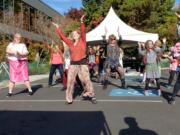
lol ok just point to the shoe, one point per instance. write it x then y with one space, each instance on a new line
93 100
169 86
86 98
105 84
172 101
159 92
68 103
30 93
9 95
146 93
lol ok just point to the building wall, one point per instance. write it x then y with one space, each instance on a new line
21 16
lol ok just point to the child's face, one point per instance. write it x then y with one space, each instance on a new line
150 44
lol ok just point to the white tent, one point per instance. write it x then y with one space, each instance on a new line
111 23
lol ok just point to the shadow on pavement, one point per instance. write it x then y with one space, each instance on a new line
134 129
34 89
53 123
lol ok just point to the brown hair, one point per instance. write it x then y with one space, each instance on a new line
147 44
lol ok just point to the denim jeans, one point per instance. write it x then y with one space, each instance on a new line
52 71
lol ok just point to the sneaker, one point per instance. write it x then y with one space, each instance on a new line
93 100
159 92
146 93
30 93
9 95
169 86
172 101
68 103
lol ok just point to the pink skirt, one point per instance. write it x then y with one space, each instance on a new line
18 71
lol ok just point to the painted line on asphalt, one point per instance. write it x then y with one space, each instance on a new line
101 100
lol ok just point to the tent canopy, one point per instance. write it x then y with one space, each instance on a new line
112 23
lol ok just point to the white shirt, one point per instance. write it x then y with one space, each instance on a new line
17 47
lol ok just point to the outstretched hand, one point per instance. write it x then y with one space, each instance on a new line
82 18
164 40
178 15
55 24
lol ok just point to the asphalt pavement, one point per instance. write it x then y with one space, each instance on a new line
45 113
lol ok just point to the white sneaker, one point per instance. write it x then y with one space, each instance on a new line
146 93
159 92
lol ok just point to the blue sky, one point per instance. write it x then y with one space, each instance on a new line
63 6
177 1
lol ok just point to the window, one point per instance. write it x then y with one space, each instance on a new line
1 11
32 19
26 16
8 12
18 14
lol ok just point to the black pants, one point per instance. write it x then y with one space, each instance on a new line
176 86
52 71
172 73
157 83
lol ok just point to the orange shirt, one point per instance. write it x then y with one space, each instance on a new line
56 58
78 51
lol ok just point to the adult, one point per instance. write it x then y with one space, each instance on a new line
78 66
18 64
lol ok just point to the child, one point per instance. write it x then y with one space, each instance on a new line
151 59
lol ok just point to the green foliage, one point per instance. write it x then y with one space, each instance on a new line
148 15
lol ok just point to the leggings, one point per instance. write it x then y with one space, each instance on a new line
171 77
176 86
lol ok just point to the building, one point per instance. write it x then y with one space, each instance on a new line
21 16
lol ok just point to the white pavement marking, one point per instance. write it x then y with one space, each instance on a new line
101 100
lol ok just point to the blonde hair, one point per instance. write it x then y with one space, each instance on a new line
158 43
111 38
17 35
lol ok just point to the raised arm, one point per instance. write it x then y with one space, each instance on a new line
83 29
120 37
141 52
164 46
61 35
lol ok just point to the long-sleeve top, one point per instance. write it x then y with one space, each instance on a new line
152 55
78 51
113 51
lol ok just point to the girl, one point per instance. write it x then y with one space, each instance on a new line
18 64
56 61
151 58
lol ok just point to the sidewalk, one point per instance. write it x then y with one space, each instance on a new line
32 78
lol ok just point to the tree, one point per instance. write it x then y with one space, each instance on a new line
147 15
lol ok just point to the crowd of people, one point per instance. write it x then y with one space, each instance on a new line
77 63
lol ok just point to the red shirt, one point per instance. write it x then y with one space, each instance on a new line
78 51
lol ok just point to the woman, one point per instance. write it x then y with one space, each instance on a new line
112 61
56 61
78 66
18 64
